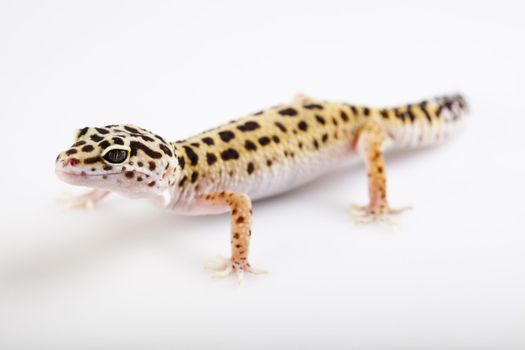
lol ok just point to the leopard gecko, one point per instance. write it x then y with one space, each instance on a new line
265 153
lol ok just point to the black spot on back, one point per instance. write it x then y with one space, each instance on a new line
354 109
182 162
344 116
313 106
226 135
263 141
194 176
366 111
194 158
302 125
208 140
250 146
289 112
280 126
229 154
211 158
384 113
276 139
71 151
320 119
250 168
152 166
249 126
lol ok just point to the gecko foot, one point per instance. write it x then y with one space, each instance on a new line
70 201
368 213
85 201
225 267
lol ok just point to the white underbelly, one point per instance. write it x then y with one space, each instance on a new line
294 172
271 180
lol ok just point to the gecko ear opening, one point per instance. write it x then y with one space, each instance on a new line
116 154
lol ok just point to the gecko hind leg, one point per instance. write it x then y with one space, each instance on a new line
369 144
241 215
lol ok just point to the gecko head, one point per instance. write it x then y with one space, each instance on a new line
121 158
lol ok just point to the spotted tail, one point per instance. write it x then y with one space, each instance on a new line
424 123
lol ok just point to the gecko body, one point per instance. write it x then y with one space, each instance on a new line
260 155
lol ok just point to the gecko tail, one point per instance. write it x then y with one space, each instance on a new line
427 122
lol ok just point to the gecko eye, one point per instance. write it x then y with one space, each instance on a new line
115 155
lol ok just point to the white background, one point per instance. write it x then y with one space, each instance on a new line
130 276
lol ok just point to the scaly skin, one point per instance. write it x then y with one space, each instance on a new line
257 156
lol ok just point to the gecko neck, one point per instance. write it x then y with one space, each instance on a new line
173 194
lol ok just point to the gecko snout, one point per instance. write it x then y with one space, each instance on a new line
63 161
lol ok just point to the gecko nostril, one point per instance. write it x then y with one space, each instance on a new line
73 161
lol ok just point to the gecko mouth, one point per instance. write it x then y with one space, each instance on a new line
81 174
68 175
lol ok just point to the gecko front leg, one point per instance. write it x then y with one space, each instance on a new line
369 145
241 217
84 201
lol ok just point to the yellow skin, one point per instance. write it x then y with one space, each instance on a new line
269 152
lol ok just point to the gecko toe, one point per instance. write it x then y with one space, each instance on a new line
227 267
222 273
256 271
369 213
